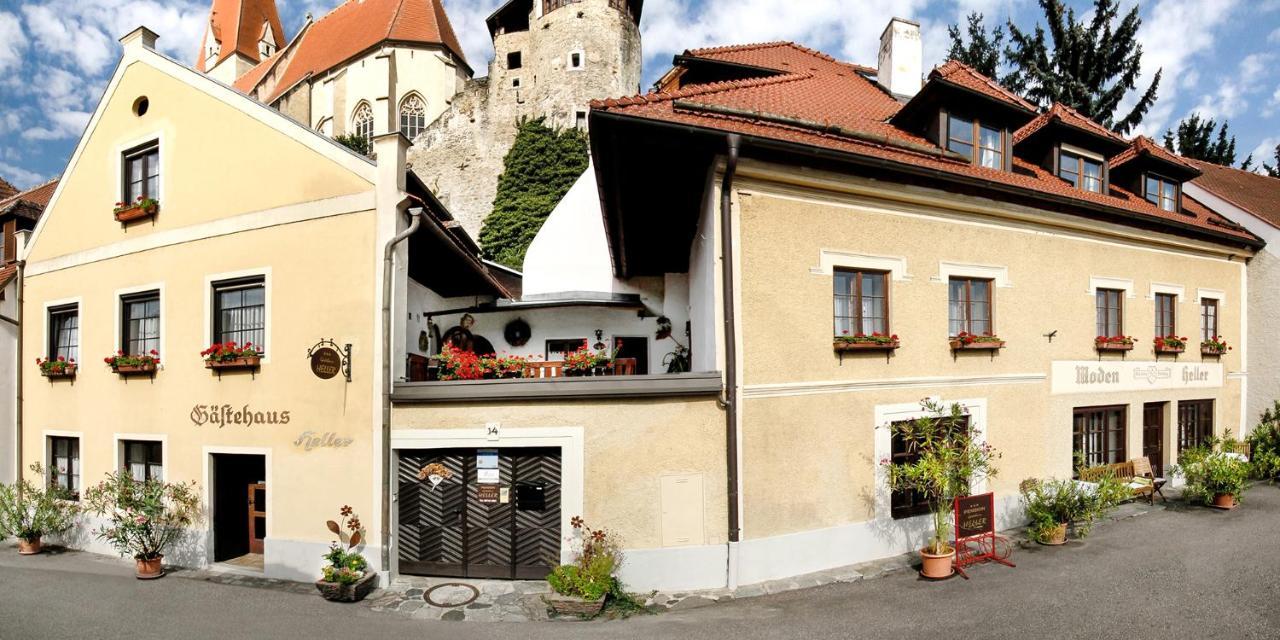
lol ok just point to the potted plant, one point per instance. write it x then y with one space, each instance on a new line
142 518
59 368
346 577
678 360
136 210
947 459
862 342
585 362
1053 505
581 588
965 340
456 364
29 511
124 364
229 355
1170 344
1214 477
1114 343
1214 346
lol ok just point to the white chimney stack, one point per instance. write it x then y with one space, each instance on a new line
901 58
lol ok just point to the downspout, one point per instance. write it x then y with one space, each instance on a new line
17 425
388 253
730 353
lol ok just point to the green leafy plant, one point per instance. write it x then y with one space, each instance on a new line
678 360
584 361
354 142
1053 503
1264 444
142 517
29 510
346 565
60 366
1215 345
862 338
140 203
122 359
456 364
1170 343
597 557
965 338
1211 471
949 458
228 351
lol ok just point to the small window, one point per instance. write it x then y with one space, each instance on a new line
1110 303
1082 172
580 120
1195 424
558 347
515 83
140 323
1208 319
861 302
240 312
908 502
990 147
1098 435
960 136
1166 321
576 60
514 60
964 135
970 301
142 173
64 332
64 464
1161 192
413 116
140 106
362 122
143 459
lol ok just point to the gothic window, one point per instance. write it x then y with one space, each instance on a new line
413 116
362 122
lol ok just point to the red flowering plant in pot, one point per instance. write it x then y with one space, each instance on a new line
859 341
1214 346
1114 343
1170 344
966 340
229 355
586 362
124 364
136 210
61 367
504 367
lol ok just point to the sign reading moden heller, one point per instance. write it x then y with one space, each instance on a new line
1092 376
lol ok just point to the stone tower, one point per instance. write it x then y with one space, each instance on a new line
551 59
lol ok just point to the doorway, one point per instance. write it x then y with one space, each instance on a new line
239 509
1153 435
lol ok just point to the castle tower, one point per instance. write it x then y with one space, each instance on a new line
239 35
551 59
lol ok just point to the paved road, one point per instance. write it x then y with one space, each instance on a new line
1178 573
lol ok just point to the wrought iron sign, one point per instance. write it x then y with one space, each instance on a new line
328 360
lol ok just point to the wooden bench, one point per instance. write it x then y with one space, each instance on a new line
1129 472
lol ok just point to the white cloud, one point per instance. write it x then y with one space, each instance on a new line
1231 97
1264 152
12 40
1274 36
63 124
21 178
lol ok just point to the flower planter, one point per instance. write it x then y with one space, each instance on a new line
572 606
960 345
1056 536
149 568
68 371
1169 350
1224 501
136 212
937 566
841 345
577 373
252 362
133 369
1113 346
29 547
1210 351
355 592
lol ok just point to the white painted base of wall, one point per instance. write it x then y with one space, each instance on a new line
675 568
301 560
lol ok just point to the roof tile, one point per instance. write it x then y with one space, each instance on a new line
1255 193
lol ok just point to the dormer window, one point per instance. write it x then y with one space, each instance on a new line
1080 170
961 134
1161 192
265 49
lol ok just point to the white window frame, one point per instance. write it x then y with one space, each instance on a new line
1102 282
885 416
119 328
1176 290
999 275
582 57
372 121
212 279
831 259
118 439
1213 294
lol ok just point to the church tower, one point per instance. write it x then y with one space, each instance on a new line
239 35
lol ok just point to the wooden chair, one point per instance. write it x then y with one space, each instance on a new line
1142 469
624 366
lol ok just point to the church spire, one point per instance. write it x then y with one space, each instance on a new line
239 35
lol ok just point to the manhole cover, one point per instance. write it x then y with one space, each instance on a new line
451 594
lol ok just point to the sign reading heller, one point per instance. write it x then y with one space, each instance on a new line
1092 376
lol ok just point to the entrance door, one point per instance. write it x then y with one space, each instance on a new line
1153 436
239 498
257 516
482 522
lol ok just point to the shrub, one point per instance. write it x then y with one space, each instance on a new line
356 143
1051 503
1264 444
143 518
29 511
598 554
1210 472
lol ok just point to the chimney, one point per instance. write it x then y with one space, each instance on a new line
901 58
141 37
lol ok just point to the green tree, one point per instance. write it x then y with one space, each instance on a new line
1273 170
982 52
538 170
356 143
1088 65
1195 138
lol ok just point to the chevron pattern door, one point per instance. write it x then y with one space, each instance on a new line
448 531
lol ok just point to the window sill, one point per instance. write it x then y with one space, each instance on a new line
658 385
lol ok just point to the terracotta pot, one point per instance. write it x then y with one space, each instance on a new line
251 362
136 212
67 372
128 369
1055 536
149 569
29 547
959 345
1112 346
1224 501
842 345
937 566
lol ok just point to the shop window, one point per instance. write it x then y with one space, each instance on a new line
64 464
907 503
970 306
1195 423
240 312
1110 312
141 173
861 302
1098 435
140 323
1208 319
143 459
1166 319
64 332
1082 172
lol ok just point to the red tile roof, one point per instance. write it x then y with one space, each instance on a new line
820 102
354 27
238 25
36 198
1255 193
6 189
6 276
959 73
1068 116
1143 145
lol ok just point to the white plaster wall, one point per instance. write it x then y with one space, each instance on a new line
703 290
571 251
9 385
383 78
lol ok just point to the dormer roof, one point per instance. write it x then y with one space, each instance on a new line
1060 116
956 85
1144 153
238 26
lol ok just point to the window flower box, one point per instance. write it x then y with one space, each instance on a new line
1215 346
228 356
965 341
863 342
54 369
1114 343
126 365
142 208
1170 344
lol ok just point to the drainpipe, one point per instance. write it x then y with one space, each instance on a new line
730 353
17 322
415 220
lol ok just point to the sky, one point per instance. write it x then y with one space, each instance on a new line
1220 58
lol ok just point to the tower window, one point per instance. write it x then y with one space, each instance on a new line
413 116
515 83
581 121
514 60
576 60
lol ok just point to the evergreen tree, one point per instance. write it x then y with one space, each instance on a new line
1247 165
538 170
1088 66
982 52
1273 170
356 143
1195 139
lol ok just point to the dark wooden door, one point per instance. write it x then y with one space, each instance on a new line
1153 436
432 518
257 516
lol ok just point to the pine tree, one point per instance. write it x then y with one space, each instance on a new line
538 170
1195 138
1273 170
1088 66
1247 165
982 51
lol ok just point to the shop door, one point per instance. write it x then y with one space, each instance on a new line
497 515
1153 436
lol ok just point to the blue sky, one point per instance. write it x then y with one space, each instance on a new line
1220 57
